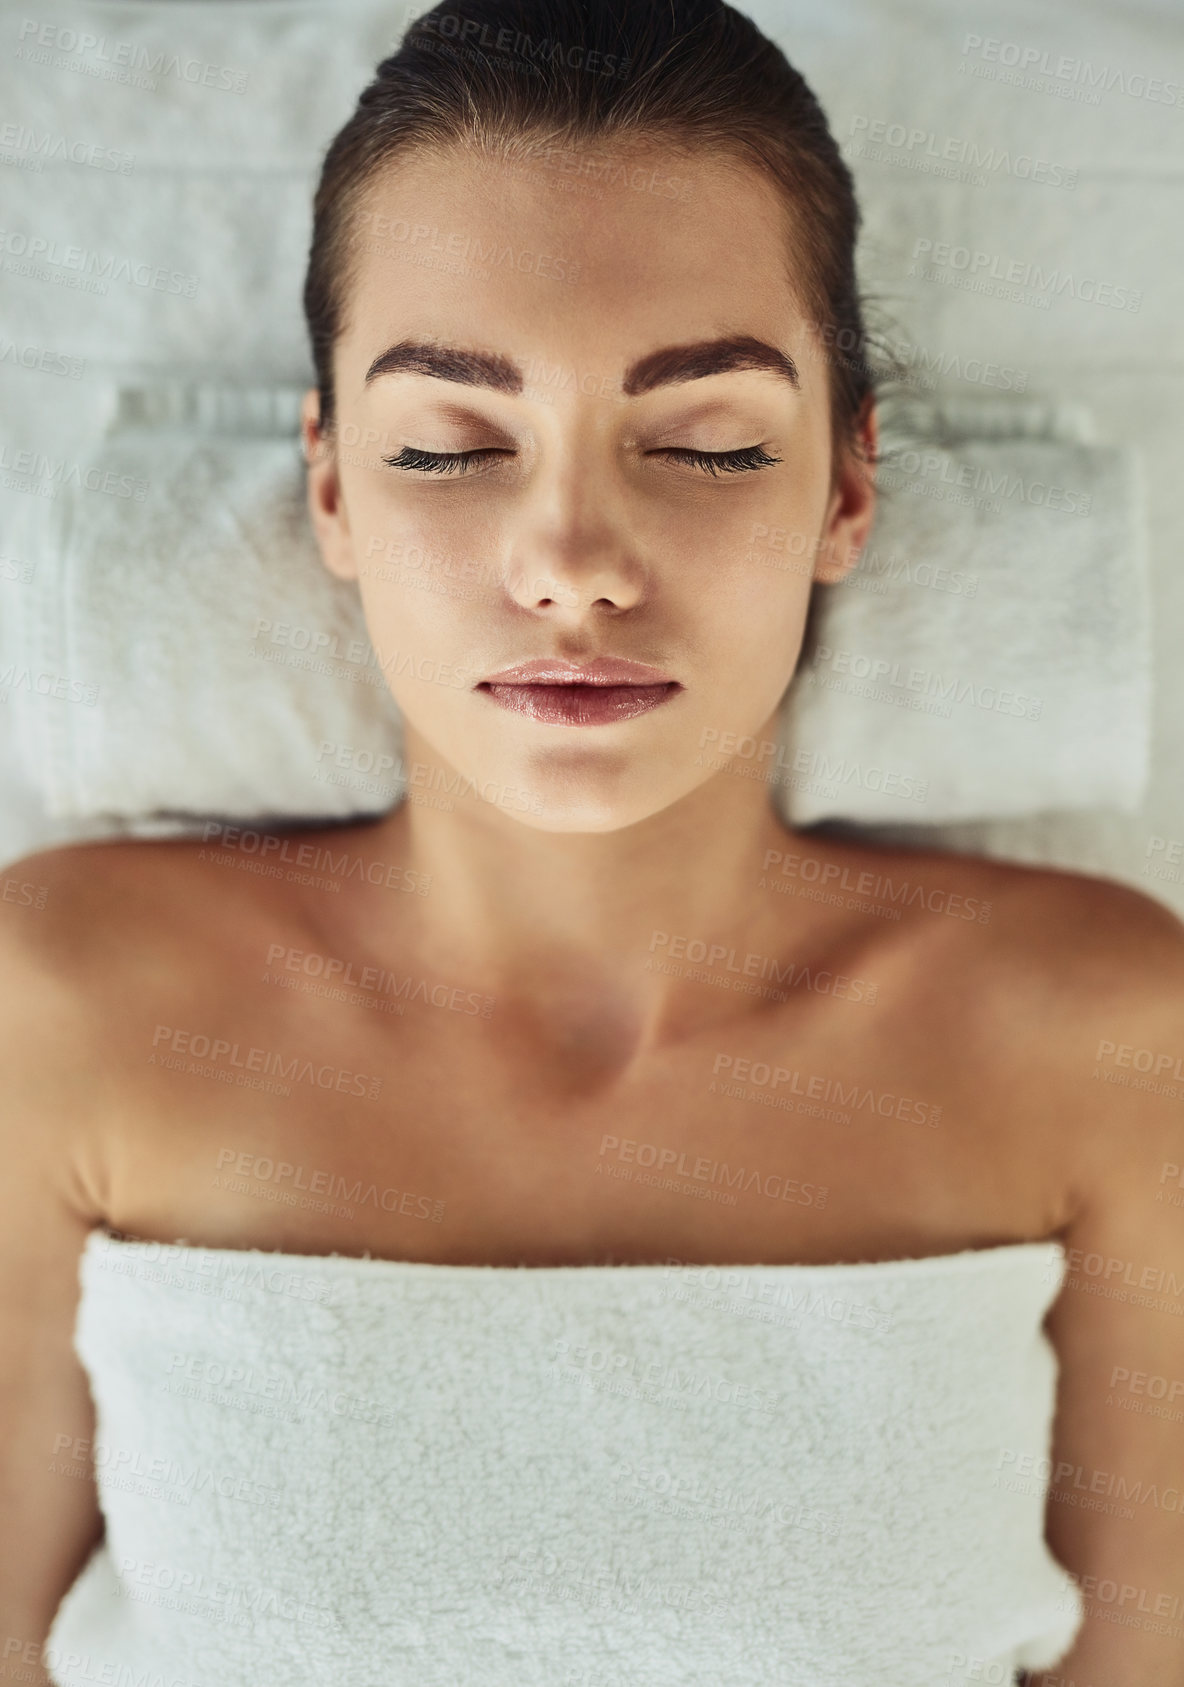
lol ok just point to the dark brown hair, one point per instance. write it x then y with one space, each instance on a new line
695 74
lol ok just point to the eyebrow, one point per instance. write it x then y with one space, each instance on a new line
657 369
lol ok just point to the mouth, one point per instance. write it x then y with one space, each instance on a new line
566 694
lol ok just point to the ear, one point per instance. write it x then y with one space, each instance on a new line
852 504
326 506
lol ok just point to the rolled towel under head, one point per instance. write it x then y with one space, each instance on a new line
989 656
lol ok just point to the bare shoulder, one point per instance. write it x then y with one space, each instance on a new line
91 931
99 929
1112 989
1101 958
99 903
55 996
1055 995
1079 982
1055 938
1087 913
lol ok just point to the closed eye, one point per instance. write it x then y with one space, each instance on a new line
440 462
459 462
716 462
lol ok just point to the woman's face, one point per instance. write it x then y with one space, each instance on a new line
596 351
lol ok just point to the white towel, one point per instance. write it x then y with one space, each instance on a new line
991 654
370 1472
214 665
989 657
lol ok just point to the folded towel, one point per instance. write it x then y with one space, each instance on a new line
991 654
324 1469
989 657
211 664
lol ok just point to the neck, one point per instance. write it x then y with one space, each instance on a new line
580 935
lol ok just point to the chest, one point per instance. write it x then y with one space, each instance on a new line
422 1126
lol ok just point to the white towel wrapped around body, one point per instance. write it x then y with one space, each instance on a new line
382 1473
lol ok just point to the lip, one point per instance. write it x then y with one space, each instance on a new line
605 670
566 694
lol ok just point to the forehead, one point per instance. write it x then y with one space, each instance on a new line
603 253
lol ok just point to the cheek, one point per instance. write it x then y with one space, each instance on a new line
394 524
420 567
752 568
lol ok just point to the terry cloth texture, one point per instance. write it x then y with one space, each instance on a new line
377 1473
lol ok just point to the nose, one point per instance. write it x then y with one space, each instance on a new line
570 552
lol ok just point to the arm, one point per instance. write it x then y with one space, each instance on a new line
50 1513
1115 1515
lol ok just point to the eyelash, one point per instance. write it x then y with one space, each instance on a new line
710 462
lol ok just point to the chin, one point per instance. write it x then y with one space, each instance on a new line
559 809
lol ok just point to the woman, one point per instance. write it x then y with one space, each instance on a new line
574 276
